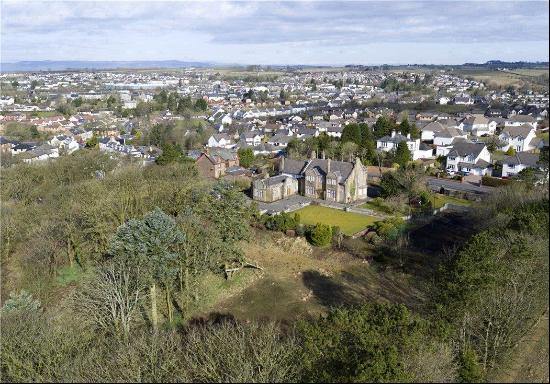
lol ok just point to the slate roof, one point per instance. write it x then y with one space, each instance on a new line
342 169
466 148
521 131
525 158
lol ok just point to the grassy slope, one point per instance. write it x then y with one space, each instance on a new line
349 222
299 281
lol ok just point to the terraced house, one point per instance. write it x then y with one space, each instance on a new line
325 179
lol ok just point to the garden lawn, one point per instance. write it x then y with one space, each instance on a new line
440 200
348 222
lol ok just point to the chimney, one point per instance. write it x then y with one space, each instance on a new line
392 133
323 154
282 164
328 165
313 155
408 135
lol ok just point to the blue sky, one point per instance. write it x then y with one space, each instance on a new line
267 32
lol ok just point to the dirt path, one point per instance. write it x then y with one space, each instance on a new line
529 362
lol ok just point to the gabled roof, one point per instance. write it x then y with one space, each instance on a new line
466 148
521 131
524 158
522 119
449 132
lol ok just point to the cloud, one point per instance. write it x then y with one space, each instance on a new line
210 30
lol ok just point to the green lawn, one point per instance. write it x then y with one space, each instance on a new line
440 200
348 222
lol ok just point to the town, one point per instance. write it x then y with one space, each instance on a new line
242 124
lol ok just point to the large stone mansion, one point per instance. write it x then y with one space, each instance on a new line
326 179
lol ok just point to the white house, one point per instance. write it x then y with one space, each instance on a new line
220 140
430 129
67 143
447 135
227 120
468 158
519 120
512 165
444 100
252 138
518 138
479 125
390 143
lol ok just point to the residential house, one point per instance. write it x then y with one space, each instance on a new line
478 125
328 179
519 120
512 165
390 143
468 158
67 143
447 135
520 138
274 188
220 140
252 138
214 162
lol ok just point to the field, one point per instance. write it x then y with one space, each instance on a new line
348 222
440 200
516 78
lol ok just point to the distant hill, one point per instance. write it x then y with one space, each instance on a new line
30 66
492 64
34 66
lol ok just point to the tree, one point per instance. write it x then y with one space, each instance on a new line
201 105
111 299
151 245
510 151
351 132
383 127
402 154
369 343
171 153
348 151
321 235
405 127
469 370
92 142
246 157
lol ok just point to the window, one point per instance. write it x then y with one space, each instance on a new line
331 194
518 148
450 167
310 178
259 193
452 158
511 166
310 190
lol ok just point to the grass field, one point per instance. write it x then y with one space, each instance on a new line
440 200
348 222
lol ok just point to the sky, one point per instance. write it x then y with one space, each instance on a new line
267 32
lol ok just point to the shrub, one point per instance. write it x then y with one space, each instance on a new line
494 182
390 228
321 235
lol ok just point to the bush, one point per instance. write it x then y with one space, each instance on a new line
281 222
494 182
321 235
390 228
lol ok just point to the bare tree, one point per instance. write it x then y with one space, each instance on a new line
111 299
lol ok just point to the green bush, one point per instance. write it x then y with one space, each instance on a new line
494 182
390 228
321 235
